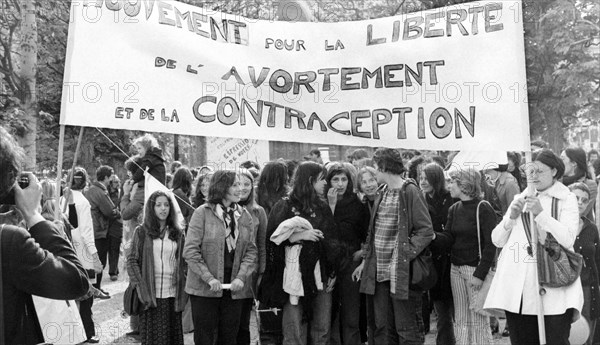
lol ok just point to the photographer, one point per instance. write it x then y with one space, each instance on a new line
36 261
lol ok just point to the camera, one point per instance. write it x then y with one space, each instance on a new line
9 198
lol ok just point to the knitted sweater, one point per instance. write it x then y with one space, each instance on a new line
461 235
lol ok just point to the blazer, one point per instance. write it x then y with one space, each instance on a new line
204 251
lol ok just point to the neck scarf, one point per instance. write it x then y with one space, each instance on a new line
229 219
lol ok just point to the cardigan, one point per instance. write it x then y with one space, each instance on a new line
140 267
587 244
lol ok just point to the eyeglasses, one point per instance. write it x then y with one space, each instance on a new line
537 171
583 200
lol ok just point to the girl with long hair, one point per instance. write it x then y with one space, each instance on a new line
576 170
156 266
201 193
272 185
305 205
433 184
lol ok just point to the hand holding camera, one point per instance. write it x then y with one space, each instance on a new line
28 196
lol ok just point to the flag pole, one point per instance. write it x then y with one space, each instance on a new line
539 290
61 148
70 180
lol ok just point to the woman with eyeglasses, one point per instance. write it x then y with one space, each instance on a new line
514 288
586 244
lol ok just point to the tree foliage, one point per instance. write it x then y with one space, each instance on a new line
562 40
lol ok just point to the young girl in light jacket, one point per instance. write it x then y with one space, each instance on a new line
514 286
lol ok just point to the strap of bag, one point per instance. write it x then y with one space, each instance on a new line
479 227
2 338
527 223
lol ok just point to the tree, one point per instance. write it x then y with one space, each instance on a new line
562 40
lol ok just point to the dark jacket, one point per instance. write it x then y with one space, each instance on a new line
271 291
185 205
438 211
103 209
587 244
36 262
414 235
154 161
352 219
140 267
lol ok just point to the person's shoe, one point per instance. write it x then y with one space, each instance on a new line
104 292
98 293
133 333
93 340
114 277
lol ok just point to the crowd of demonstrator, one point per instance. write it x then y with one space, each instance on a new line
332 245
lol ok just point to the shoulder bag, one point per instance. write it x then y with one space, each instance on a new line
557 265
477 303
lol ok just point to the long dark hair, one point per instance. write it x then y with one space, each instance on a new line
336 169
220 183
272 184
303 193
577 155
250 200
183 180
151 222
435 176
199 198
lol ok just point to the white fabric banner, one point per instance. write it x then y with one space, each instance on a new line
452 78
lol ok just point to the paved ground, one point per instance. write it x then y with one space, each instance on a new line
112 325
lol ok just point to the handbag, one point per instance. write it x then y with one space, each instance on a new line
477 303
557 265
131 301
422 272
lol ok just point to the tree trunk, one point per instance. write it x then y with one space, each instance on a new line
28 61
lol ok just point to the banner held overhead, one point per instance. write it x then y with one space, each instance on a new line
451 78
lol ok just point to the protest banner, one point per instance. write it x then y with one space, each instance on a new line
229 153
451 78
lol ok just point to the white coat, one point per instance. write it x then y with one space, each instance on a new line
516 270
83 235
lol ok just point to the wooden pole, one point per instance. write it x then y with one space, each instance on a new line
69 181
61 148
76 153
535 237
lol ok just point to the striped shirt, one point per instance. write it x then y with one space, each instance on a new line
164 266
386 232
